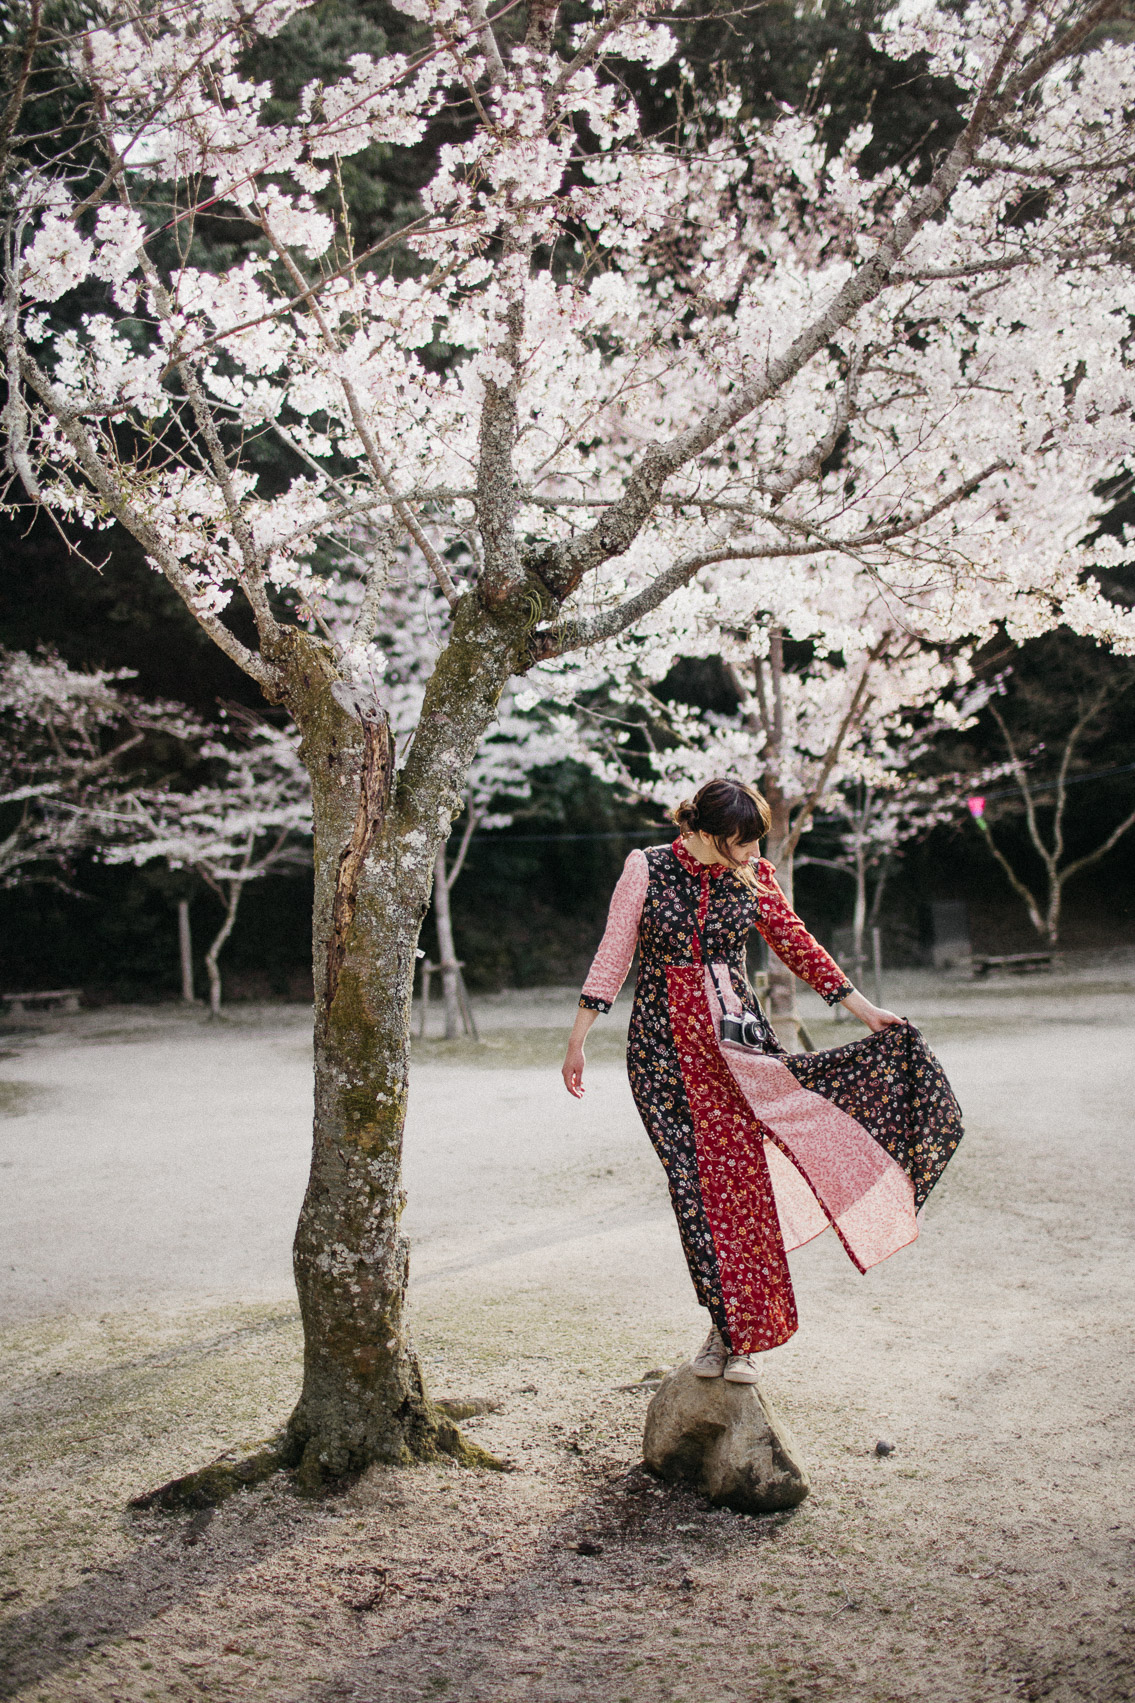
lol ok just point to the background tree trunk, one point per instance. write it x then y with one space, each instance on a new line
784 1013
185 951
235 888
447 952
375 850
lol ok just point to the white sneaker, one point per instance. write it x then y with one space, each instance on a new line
709 1361
741 1369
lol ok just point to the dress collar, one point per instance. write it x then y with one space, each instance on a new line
692 865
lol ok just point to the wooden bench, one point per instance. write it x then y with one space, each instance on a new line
66 999
1021 963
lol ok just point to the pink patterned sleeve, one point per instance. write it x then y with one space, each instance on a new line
790 940
609 967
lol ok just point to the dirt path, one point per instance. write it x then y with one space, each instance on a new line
151 1175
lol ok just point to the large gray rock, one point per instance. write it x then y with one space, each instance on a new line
727 1440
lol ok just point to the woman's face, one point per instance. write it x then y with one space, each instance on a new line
743 851
739 850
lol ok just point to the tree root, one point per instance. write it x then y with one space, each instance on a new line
213 1484
452 1442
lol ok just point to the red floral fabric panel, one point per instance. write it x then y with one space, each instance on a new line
790 940
735 1186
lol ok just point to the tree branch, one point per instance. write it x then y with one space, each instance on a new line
15 104
1101 851
109 489
362 426
564 565
1021 777
856 709
483 30
808 466
474 816
1017 885
608 623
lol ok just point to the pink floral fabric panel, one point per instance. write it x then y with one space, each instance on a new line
866 1194
616 950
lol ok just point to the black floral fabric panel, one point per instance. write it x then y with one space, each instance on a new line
892 1084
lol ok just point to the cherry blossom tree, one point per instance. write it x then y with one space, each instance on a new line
252 819
592 369
1043 800
72 745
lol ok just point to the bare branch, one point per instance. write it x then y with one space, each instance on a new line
856 709
382 539
458 864
1101 851
15 104
1020 775
1015 882
1070 744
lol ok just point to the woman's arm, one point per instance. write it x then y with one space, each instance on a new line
615 952
806 958
574 1060
778 923
874 1016
609 967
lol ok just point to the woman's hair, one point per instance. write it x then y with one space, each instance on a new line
723 810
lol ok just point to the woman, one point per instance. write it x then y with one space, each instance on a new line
763 1149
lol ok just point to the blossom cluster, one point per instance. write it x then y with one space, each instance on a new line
856 448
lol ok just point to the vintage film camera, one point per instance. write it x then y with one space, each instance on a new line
743 1029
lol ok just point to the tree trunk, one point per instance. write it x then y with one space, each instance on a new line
784 1012
185 951
447 952
363 1397
1055 906
236 887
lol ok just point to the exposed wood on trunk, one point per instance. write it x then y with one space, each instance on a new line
374 796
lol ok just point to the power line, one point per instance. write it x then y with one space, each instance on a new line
649 832
617 834
1072 780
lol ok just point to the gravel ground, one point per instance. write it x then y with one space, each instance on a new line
152 1167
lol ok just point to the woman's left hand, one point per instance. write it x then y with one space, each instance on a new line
873 1015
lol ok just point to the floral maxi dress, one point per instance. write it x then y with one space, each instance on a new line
762 1149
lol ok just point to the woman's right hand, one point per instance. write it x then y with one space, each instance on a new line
572 1071
574 1062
